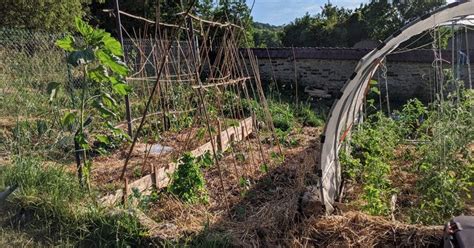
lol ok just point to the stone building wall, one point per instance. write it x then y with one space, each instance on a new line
409 74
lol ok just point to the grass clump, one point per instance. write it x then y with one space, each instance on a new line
282 115
49 199
308 117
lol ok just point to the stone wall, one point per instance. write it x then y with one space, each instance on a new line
409 74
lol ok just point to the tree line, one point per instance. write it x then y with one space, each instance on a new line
333 26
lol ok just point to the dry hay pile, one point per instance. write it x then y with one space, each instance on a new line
269 215
177 219
354 229
271 210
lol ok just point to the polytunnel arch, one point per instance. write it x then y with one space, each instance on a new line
343 114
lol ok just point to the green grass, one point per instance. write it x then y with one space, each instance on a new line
60 210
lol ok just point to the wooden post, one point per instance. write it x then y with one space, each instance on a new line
156 174
254 121
128 112
220 142
125 191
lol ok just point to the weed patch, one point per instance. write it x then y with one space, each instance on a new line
51 200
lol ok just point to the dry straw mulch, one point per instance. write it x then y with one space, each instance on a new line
355 229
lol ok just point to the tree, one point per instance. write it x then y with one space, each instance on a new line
233 11
381 19
336 26
324 29
411 9
236 12
266 35
50 15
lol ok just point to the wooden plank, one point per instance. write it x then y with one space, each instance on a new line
160 178
202 149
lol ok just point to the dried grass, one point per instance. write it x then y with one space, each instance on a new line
354 229
180 219
268 214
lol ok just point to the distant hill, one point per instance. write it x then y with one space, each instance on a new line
260 25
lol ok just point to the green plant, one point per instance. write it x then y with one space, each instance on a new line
187 182
264 168
411 117
373 145
277 157
352 167
144 201
377 188
307 116
56 204
444 167
282 116
447 165
96 57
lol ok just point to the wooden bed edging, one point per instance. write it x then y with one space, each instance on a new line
160 175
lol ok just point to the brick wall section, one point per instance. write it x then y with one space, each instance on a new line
409 74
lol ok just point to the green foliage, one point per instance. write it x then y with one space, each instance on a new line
286 118
373 145
237 12
341 27
57 205
410 10
411 117
51 15
445 168
95 57
282 115
187 182
307 116
266 35
52 185
447 163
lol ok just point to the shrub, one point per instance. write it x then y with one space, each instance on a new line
188 180
411 117
445 167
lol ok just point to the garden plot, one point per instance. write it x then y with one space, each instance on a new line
161 168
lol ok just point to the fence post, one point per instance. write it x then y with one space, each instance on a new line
120 36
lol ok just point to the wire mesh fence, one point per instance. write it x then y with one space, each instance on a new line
30 57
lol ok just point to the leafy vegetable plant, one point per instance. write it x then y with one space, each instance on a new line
188 180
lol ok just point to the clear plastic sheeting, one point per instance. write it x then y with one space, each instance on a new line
345 111
463 21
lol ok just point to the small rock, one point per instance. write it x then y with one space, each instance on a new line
311 203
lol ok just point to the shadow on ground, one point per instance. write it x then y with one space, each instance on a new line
269 213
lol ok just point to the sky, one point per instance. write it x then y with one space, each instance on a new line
278 12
